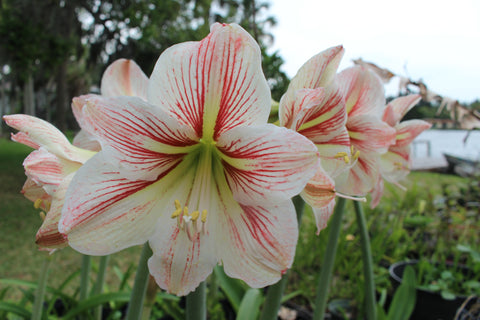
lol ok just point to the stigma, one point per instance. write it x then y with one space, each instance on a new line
193 224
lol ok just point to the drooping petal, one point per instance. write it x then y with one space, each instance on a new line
212 85
407 131
48 170
377 193
147 141
319 193
124 78
264 164
317 72
370 134
23 138
104 212
44 134
363 91
48 236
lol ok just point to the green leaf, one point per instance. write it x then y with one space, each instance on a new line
233 288
95 301
15 309
250 305
447 295
404 299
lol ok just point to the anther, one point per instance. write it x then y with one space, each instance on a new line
37 203
195 215
204 216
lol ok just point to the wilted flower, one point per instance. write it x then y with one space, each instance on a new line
196 170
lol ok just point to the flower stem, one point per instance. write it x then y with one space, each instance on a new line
85 276
328 260
140 285
370 302
40 291
275 292
197 303
150 297
102 268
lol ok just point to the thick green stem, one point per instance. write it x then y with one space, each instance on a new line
85 276
102 268
150 298
370 302
196 308
323 285
140 285
40 291
275 292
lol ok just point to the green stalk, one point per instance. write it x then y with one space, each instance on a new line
85 276
370 302
102 268
334 227
40 291
150 298
140 285
275 292
196 308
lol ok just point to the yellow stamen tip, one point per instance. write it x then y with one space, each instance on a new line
176 213
177 205
356 155
204 216
185 211
37 203
346 159
42 215
195 215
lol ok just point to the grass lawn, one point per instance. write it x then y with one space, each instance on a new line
20 258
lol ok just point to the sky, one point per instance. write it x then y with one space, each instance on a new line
437 41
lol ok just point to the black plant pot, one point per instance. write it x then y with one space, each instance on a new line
429 305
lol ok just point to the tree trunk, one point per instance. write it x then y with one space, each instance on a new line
29 96
62 93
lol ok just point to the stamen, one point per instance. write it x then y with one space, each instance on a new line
189 222
356 155
42 215
355 198
37 203
343 155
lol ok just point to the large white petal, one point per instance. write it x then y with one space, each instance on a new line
256 243
147 141
212 85
265 164
104 212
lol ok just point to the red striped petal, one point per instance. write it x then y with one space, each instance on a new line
124 78
213 85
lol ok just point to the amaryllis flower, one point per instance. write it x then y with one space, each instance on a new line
196 170
314 107
49 170
122 78
395 164
370 137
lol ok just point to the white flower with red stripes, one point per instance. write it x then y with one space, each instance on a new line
195 170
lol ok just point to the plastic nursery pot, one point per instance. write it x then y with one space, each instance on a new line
429 305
